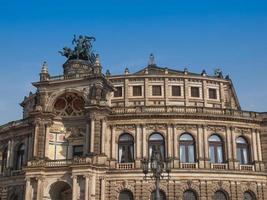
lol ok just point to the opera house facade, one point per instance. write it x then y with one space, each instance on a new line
84 135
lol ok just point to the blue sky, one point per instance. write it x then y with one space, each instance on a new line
199 35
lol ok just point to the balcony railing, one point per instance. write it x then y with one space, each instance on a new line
184 110
60 163
219 166
125 165
188 165
247 167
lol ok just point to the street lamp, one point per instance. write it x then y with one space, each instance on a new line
157 167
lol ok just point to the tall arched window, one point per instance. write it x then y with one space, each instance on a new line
220 195
249 196
126 195
189 195
126 148
4 160
162 195
20 157
187 148
157 144
216 149
242 151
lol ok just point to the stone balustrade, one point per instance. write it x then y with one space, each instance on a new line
219 166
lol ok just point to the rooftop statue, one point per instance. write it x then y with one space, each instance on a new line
82 49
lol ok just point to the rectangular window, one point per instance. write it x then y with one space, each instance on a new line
212 93
78 150
195 92
176 90
137 90
118 92
156 90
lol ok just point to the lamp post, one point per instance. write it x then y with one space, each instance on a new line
157 167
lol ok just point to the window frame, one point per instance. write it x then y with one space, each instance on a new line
4 160
191 91
80 153
128 144
116 92
20 156
186 144
179 91
141 90
158 143
217 144
153 91
216 93
242 147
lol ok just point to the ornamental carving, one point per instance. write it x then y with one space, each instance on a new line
186 127
242 130
69 104
125 128
156 127
216 128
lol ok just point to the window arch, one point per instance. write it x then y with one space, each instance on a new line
248 195
157 144
220 195
216 149
162 195
242 146
189 195
126 148
187 148
126 195
20 157
4 160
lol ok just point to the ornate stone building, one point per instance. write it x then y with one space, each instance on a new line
83 136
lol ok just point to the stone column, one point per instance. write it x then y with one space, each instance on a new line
146 91
170 141
254 145
145 155
30 146
204 92
8 164
92 135
35 141
108 141
74 187
166 91
235 161
259 146
39 188
103 133
206 147
175 147
186 96
113 144
86 187
93 187
87 139
28 190
103 187
47 140
138 146
200 146
229 147
222 95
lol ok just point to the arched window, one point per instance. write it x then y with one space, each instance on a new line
20 157
157 144
189 195
220 195
216 149
187 148
249 196
242 150
126 148
4 160
126 195
162 195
